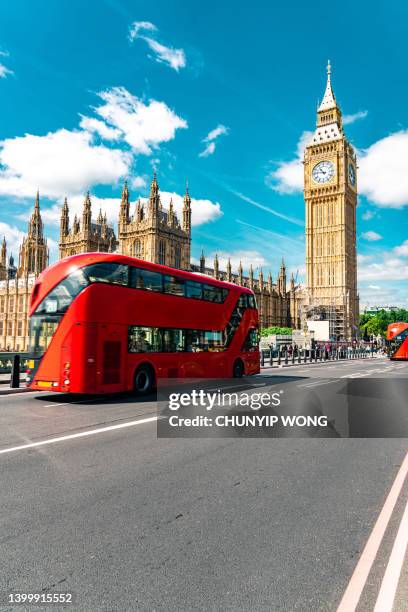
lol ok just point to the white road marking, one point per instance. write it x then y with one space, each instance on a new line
82 434
318 384
362 570
386 596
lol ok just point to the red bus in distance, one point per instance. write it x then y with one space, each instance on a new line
105 323
397 341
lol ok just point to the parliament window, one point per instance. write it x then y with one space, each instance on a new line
162 252
177 256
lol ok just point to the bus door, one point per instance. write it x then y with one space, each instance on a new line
111 360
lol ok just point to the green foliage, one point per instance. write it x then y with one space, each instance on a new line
373 325
269 331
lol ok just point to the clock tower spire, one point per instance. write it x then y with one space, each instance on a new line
330 191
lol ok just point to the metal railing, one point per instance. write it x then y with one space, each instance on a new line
278 356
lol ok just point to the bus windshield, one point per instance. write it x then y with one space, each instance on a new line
42 329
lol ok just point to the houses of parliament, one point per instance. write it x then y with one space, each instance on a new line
157 234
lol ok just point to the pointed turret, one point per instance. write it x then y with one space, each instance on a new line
124 208
229 270
64 221
282 279
154 199
35 228
202 262
216 267
4 252
251 277
86 213
270 282
99 219
187 210
261 280
240 274
171 212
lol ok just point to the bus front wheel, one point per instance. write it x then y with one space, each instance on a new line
238 369
144 381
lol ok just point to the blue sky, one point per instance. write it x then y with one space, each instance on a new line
222 94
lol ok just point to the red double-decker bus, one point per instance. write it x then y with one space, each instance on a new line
104 323
397 341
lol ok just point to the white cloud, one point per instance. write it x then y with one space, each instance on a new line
402 249
143 126
288 177
371 236
374 287
4 71
348 119
99 127
14 238
382 176
175 58
68 162
383 171
209 150
367 215
61 162
210 139
388 268
202 211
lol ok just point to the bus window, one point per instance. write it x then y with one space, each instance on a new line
173 340
214 294
144 339
58 300
145 279
174 285
112 273
251 301
251 341
194 290
243 300
42 330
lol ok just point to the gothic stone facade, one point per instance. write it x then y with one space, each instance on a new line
330 192
16 283
154 233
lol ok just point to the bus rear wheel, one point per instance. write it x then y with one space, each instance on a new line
238 369
144 381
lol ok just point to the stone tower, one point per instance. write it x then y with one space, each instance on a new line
33 256
87 235
330 191
154 233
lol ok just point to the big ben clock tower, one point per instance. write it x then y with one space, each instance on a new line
330 191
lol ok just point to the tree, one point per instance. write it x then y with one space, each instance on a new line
373 325
269 331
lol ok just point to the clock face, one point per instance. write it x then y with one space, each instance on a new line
323 172
352 174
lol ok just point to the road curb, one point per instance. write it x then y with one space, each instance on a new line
10 391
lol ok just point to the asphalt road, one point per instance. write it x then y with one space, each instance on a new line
125 521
